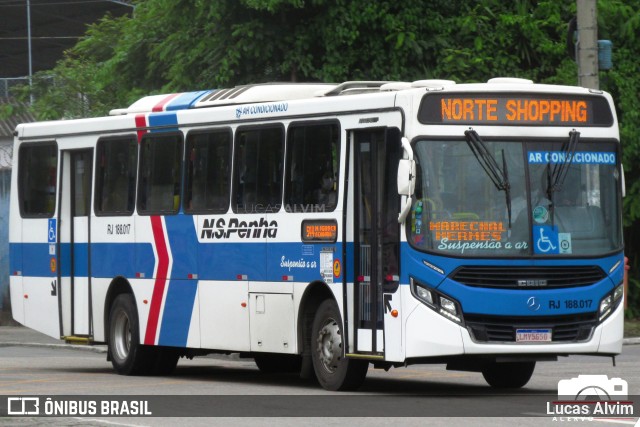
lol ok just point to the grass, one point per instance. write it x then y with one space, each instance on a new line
631 328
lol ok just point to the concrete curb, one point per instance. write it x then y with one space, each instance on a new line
91 348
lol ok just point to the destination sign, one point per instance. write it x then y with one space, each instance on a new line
515 109
319 230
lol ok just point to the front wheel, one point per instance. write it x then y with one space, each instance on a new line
508 374
333 370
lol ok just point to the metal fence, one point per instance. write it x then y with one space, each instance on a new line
7 84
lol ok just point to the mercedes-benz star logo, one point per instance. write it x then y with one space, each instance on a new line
533 304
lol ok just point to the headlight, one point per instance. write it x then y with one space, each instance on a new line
605 307
424 294
618 293
610 302
442 304
448 305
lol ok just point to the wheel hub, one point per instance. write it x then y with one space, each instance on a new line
329 345
122 335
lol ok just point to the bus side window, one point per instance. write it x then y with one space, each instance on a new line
312 167
38 178
208 161
116 176
160 174
257 180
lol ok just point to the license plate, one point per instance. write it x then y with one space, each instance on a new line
533 335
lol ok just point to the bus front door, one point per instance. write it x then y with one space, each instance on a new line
376 240
75 255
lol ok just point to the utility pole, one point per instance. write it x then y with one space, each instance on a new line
587 44
29 53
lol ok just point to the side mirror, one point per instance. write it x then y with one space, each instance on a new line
406 179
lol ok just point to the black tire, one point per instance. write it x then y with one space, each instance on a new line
508 375
128 356
333 370
278 363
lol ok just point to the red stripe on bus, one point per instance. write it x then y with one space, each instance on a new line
161 280
141 122
160 105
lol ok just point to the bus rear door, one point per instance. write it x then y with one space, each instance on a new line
75 240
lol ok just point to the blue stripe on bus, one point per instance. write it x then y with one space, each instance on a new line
178 308
181 294
15 258
115 259
214 261
270 262
31 259
186 100
183 244
107 259
163 119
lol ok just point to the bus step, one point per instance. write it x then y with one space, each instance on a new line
77 340
365 356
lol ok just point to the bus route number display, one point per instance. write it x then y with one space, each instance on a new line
515 109
319 230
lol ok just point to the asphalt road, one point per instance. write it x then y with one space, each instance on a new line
239 390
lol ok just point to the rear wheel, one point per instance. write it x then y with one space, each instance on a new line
128 356
509 374
333 370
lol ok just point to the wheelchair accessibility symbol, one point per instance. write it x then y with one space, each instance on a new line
546 239
51 231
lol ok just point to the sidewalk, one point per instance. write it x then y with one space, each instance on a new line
11 336
20 336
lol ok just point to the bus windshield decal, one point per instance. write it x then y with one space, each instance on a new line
583 158
467 230
515 109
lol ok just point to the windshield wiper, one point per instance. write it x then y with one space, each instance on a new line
557 175
499 176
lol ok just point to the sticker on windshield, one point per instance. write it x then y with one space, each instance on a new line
467 230
564 241
546 239
460 236
582 158
540 214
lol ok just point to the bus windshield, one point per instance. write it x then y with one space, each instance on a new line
460 208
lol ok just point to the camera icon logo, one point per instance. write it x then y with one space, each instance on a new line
593 388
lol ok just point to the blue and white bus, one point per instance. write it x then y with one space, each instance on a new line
326 227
